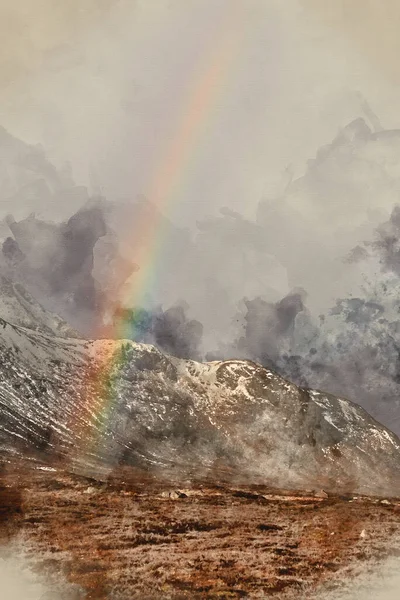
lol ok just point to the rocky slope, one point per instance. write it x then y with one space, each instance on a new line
97 405
18 305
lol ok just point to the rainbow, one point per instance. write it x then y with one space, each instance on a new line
208 85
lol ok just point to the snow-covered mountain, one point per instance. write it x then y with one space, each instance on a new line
20 307
95 405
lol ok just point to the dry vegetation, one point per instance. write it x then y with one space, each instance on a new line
129 538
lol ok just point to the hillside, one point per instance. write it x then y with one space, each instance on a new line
96 405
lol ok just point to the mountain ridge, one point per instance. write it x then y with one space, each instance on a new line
96 405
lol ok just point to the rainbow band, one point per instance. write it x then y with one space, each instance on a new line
165 189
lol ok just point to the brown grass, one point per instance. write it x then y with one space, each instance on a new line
130 540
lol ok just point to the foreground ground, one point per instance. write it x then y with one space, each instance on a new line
129 538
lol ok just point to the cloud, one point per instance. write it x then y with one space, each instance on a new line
105 85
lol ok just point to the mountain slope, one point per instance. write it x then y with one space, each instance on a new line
18 305
183 420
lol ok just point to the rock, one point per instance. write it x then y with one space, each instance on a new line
321 494
174 494
177 494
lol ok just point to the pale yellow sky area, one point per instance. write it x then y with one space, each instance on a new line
29 30
371 26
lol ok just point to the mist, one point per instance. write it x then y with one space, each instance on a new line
381 582
23 579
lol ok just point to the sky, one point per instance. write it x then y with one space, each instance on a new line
105 84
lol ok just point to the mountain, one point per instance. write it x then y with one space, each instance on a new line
93 406
18 305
